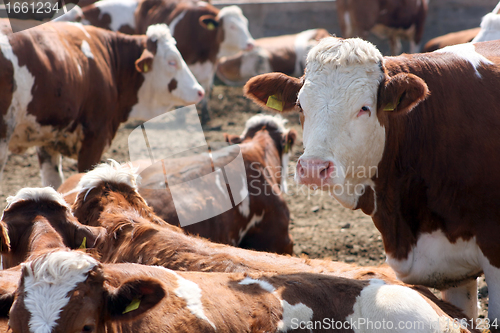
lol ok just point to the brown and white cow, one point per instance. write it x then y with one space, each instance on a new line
286 54
413 142
261 220
393 19
204 33
81 295
108 197
37 219
68 93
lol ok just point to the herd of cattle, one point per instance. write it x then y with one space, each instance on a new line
411 140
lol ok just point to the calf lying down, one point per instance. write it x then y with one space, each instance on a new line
108 197
79 294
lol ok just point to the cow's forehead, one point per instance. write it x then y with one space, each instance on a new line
331 87
346 68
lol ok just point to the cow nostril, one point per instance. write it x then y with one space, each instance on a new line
200 94
250 46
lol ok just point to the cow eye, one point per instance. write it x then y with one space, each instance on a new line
172 63
87 329
364 108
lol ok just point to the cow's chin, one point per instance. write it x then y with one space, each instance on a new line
346 191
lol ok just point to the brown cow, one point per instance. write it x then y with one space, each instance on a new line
109 198
68 93
427 177
37 219
204 33
261 220
393 19
81 295
286 54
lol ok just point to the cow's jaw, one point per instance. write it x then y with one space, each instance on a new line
334 132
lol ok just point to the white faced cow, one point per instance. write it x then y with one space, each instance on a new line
414 142
68 92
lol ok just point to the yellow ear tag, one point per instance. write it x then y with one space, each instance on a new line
146 68
210 26
134 305
287 147
274 102
389 107
84 243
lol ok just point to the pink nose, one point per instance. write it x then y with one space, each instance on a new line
314 172
250 47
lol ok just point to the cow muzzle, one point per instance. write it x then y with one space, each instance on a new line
314 172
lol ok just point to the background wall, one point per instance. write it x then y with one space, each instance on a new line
272 18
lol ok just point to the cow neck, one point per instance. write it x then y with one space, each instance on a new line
126 50
418 164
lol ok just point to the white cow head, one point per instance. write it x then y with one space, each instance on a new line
236 34
167 79
343 99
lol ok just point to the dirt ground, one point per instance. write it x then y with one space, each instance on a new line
321 227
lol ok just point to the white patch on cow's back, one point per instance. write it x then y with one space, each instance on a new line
176 20
120 11
293 314
263 284
191 293
86 50
47 282
380 302
304 42
434 260
37 195
468 53
81 27
256 219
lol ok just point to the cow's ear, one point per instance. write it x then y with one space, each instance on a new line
401 93
209 22
4 238
134 298
87 237
6 301
274 91
289 140
145 62
232 138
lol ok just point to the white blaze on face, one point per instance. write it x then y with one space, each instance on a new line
236 34
342 77
156 94
47 283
